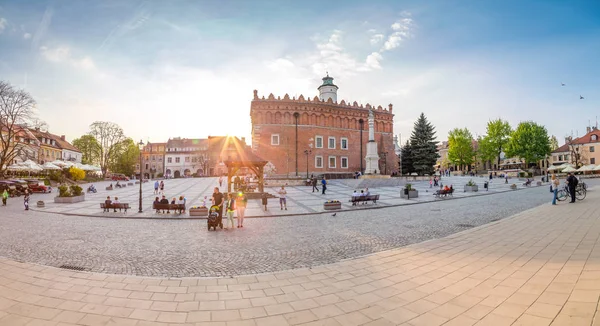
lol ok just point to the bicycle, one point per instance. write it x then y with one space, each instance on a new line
564 193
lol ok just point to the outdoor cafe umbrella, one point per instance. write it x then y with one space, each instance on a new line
50 166
569 169
597 168
556 167
586 168
30 166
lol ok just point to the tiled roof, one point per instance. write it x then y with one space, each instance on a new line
43 134
187 143
587 138
562 149
63 144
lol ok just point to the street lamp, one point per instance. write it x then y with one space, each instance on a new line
141 147
307 152
384 154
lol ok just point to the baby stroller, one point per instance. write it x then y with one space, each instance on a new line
214 219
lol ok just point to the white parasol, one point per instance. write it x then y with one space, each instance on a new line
569 169
50 166
586 168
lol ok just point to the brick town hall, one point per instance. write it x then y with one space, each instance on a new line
321 136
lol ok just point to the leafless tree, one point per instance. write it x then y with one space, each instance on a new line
16 111
110 137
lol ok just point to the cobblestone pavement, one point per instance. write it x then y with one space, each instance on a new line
183 248
301 200
539 267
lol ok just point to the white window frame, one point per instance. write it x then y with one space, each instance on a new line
329 162
169 160
278 140
178 160
329 139
342 143
342 162
316 160
317 143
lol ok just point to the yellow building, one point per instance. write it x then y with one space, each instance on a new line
49 148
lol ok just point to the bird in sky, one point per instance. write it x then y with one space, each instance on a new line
581 97
562 84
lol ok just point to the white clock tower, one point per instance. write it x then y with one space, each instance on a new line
328 90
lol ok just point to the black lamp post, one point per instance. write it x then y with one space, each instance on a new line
141 147
307 152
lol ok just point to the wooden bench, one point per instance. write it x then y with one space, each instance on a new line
444 193
119 206
109 188
175 207
364 199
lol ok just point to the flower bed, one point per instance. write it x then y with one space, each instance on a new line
69 195
198 211
332 205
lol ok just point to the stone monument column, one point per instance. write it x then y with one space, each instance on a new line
372 157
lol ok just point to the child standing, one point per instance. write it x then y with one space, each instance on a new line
230 210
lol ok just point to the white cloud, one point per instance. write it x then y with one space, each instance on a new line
375 39
3 24
402 30
63 55
26 36
373 61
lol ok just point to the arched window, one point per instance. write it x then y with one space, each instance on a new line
594 137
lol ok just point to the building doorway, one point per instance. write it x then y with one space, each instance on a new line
177 174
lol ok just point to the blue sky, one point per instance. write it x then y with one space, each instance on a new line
163 69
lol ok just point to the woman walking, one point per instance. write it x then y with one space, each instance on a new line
230 210
555 184
162 187
26 200
241 203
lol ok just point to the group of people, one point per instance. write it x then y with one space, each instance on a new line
111 203
314 182
571 183
5 196
363 193
181 201
231 203
434 182
159 187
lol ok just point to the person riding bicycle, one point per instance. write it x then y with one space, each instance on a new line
572 184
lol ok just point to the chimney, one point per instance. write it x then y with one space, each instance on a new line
63 137
588 129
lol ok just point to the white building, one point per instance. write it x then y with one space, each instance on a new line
69 152
185 157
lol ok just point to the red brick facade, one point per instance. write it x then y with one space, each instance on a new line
313 118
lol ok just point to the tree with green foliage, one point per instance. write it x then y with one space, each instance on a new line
495 141
484 151
90 149
530 142
110 136
423 146
460 147
406 159
127 156
553 143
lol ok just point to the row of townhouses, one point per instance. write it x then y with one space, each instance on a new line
42 146
185 157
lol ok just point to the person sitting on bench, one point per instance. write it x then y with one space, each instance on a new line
367 192
118 185
164 200
156 202
115 202
355 196
107 203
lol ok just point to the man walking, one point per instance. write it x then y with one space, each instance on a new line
282 199
218 200
314 184
4 197
156 187
572 183
324 185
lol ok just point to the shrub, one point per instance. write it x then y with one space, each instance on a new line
46 182
408 186
64 191
471 183
160 175
56 176
76 174
76 190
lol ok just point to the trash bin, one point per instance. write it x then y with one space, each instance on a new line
406 191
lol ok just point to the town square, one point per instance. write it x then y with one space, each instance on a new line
273 163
